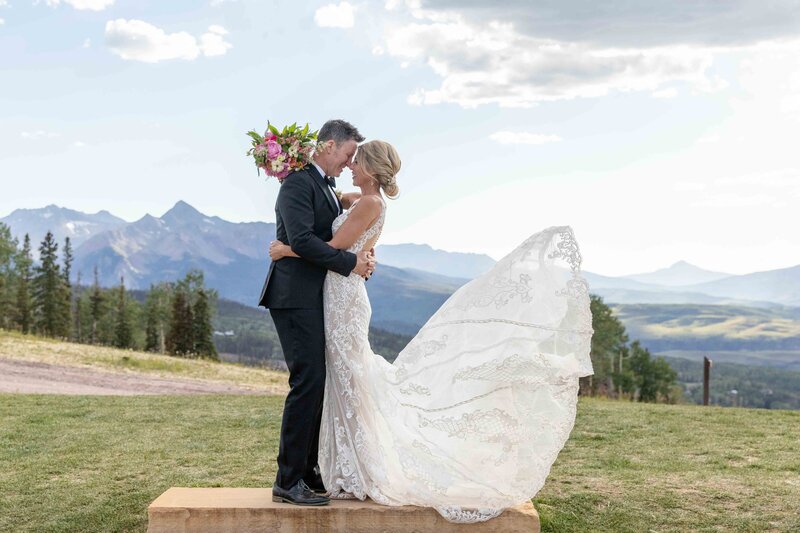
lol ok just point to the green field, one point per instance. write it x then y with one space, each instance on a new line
718 328
92 463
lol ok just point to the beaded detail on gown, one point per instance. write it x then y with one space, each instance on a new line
473 412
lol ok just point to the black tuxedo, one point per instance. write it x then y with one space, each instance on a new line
292 291
304 213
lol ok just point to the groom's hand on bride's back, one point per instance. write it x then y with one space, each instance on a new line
365 264
374 261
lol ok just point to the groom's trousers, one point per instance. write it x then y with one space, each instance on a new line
302 336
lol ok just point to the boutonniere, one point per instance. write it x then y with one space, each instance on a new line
338 194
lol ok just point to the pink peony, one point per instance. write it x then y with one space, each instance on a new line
273 149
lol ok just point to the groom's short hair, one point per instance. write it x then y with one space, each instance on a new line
339 131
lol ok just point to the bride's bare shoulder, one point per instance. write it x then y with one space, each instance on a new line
368 204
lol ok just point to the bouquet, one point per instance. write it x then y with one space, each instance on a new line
280 152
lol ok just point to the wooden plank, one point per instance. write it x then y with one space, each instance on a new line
240 510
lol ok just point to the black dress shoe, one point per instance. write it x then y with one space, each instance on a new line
300 494
314 482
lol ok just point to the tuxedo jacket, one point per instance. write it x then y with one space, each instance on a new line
304 212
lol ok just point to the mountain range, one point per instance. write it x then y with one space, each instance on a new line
78 226
757 289
423 257
234 258
411 282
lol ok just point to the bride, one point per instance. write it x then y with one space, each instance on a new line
473 412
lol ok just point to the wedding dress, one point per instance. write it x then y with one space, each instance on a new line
473 412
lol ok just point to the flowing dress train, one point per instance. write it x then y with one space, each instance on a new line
473 412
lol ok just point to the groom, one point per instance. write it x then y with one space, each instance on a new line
304 212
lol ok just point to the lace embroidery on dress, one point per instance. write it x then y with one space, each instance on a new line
473 412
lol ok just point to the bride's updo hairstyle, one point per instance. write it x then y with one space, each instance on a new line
382 162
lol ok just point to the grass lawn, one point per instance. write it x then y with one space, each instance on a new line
94 463
643 467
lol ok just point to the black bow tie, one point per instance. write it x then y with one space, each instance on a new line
330 181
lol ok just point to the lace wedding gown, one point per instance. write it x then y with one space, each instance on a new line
473 412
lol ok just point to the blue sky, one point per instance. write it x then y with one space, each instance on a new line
659 132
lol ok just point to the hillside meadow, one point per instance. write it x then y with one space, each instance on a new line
43 350
94 463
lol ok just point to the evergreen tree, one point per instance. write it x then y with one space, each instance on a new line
666 379
163 297
95 307
180 340
203 333
151 340
77 311
8 248
192 284
123 335
608 342
68 258
48 291
157 317
65 302
654 377
23 264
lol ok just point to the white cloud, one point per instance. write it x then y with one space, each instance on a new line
341 15
4 3
733 199
777 178
217 3
212 43
2 21
713 138
669 92
510 137
214 28
688 186
39 134
91 5
79 144
492 63
87 43
137 40
704 23
518 54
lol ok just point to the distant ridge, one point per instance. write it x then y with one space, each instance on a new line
680 273
423 257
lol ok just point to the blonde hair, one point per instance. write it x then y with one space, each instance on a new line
382 162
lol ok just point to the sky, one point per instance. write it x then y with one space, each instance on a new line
658 131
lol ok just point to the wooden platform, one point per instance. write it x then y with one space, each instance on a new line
239 510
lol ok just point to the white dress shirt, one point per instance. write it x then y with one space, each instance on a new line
332 192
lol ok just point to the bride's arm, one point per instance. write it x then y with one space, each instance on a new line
362 216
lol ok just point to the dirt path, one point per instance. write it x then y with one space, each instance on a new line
45 378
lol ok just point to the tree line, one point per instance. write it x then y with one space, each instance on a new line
172 318
624 369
